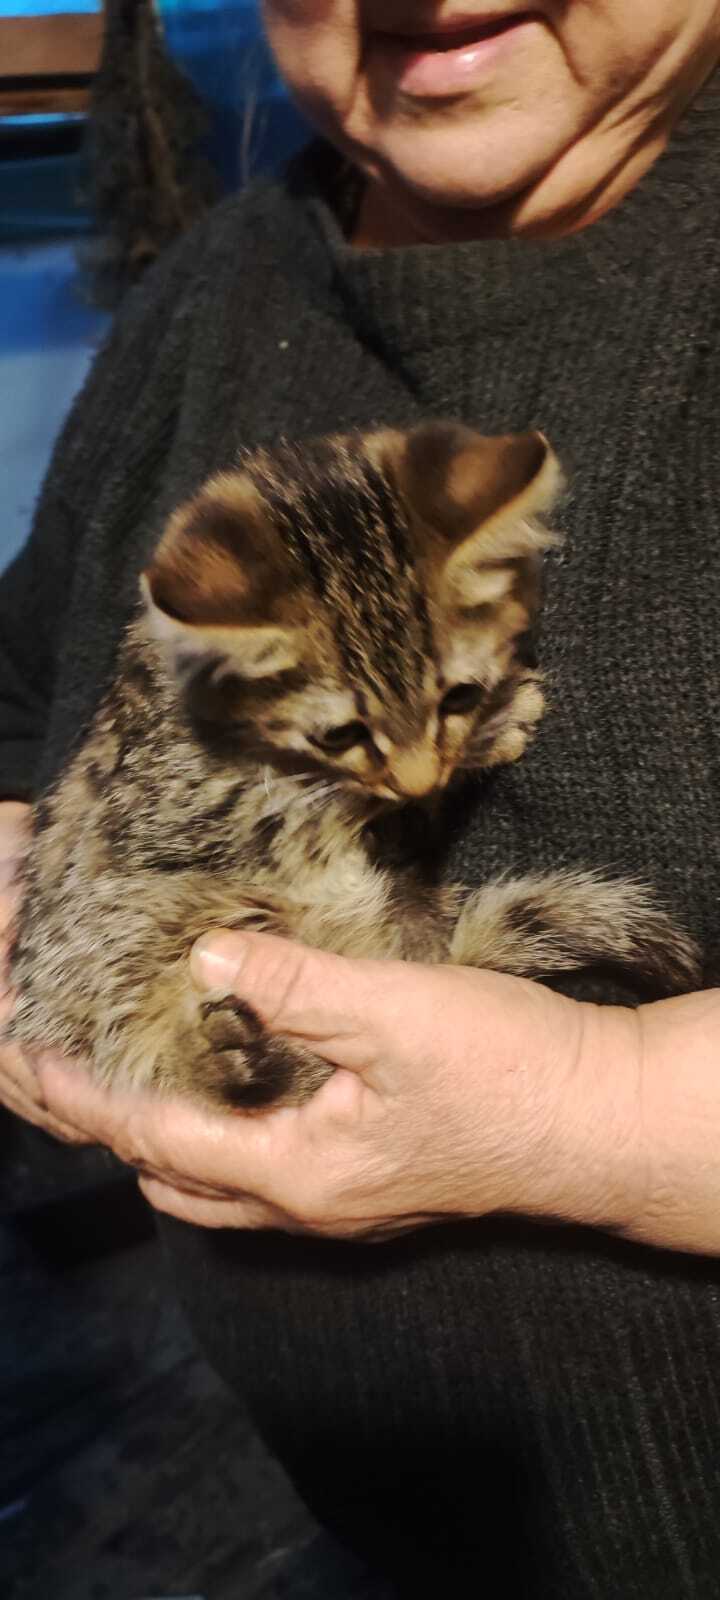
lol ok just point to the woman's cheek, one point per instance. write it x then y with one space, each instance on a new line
317 45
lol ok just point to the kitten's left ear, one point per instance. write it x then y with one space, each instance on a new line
480 501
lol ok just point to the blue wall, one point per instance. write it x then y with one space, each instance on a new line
47 336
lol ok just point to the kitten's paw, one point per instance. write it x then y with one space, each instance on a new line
245 1066
517 723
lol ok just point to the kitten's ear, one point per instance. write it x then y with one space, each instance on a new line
481 500
248 652
218 589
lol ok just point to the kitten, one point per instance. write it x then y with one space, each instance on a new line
329 632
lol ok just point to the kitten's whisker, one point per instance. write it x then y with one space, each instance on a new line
318 792
307 793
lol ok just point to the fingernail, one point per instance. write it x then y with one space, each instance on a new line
216 959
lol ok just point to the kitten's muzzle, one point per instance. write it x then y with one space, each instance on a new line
414 774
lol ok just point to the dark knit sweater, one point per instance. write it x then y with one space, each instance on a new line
534 1409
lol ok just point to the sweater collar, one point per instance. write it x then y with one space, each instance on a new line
409 300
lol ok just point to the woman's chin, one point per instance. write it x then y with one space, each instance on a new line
449 185
466 167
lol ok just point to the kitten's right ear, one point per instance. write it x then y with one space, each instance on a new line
218 589
464 482
245 652
479 501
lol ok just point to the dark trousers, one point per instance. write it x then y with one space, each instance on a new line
486 1409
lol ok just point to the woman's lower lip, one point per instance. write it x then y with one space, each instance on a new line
427 73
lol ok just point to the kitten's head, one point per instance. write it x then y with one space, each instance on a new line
359 604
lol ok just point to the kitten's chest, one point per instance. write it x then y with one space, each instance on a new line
301 836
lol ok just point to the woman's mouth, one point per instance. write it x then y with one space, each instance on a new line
449 60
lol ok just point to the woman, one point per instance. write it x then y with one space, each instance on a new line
522 231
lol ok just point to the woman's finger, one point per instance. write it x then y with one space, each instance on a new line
208 1213
28 1111
31 1111
221 1151
188 1185
329 1003
20 1092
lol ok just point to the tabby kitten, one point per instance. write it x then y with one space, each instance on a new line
329 632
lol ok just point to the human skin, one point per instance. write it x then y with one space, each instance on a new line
456 1094
541 139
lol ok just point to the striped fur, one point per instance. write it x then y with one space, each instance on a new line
330 631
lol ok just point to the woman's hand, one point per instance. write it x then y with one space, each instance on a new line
457 1094
19 1086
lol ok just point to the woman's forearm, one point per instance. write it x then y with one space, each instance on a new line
638 1130
588 1169
678 1139
635 1142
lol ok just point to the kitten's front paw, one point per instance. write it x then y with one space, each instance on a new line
245 1066
517 722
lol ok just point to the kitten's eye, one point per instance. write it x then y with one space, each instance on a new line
337 740
463 697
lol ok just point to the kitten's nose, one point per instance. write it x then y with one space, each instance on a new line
414 772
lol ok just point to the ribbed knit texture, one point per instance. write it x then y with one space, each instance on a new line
507 1411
